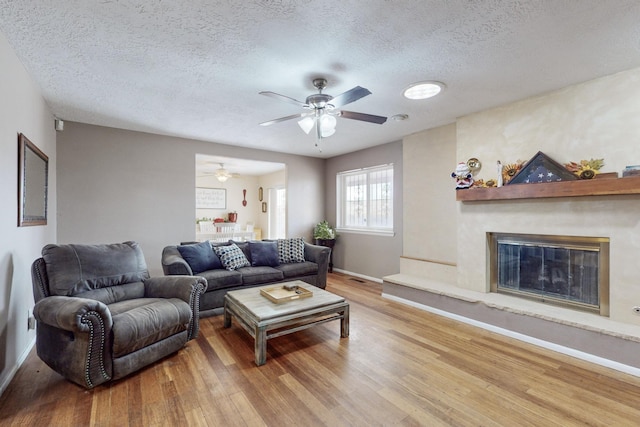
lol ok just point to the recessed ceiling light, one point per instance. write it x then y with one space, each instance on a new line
423 90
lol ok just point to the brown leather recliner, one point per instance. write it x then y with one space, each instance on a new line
101 317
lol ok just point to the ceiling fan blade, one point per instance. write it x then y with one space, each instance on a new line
283 119
284 98
349 96
363 117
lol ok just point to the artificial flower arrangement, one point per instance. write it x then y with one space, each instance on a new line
586 169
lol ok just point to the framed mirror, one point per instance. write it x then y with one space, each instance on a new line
33 181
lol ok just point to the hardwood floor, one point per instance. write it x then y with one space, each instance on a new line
400 366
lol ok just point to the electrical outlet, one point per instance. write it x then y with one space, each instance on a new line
31 321
636 309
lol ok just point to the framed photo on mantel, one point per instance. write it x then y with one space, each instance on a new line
211 198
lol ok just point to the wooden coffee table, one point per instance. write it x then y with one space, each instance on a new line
264 319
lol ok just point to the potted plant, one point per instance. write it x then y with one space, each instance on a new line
325 235
324 231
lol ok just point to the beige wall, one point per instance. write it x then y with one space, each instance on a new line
22 110
116 185
429 201
430 246
596 119
371 256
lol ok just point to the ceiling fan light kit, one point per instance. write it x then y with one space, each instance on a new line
222 174
423 90
306 124
324 109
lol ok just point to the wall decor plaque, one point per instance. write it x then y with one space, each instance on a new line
211 198
33 183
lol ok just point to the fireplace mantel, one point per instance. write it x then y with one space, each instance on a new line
604 186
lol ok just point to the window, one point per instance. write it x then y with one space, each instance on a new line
365 200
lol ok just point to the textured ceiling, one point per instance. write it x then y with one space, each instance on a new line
193 68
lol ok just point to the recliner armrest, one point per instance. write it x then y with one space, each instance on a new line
87 361
70 313
182 287
187 288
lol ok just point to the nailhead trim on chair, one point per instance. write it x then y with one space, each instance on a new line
85 320
195 309
40 282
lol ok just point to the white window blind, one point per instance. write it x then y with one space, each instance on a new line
365 199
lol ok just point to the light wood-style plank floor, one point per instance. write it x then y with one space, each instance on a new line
399 367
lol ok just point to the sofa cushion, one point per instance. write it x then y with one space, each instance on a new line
231 257
221 279
291 250
256 275
296 269
200 257
140 322
72 269
264 254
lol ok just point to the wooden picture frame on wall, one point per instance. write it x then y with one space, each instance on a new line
211 198
33 183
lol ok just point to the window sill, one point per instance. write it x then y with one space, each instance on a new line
385 233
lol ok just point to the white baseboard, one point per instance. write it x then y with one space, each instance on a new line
12 372
631 370
362 276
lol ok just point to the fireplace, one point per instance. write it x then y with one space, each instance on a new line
570 271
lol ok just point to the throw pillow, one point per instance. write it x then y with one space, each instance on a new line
200 257
291 250
231 257
244 247
264 253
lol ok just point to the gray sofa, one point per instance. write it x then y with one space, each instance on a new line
101 317
312 269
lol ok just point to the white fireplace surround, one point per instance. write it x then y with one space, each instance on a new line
444 257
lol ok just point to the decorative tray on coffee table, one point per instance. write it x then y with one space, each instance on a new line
279 294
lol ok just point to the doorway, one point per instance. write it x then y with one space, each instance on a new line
277 212
250 195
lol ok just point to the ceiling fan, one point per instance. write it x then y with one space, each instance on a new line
220 173
323 109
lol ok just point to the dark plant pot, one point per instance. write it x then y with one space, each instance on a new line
325 242
329 244
233 217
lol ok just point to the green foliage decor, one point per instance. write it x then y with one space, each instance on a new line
324 231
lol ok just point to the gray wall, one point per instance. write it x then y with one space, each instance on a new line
22 110
367 255
116 185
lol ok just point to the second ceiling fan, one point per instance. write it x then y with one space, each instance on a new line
324 108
